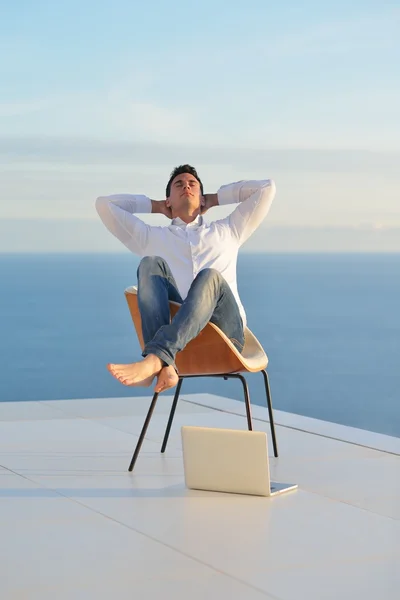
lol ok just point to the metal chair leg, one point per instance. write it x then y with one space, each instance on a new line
143 432
247 401
271 415
246 395
171 414
175 402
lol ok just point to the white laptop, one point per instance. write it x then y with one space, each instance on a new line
228 460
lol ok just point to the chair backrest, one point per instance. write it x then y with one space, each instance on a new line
211 352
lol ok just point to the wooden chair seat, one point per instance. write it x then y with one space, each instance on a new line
210 354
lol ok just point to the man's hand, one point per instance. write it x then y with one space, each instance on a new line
160 207
210 200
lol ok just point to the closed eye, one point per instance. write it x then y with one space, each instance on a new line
191 182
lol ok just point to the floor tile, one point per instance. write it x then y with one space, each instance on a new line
293 421
58 548
94 408
382 503
370 578
62 435
67 445
28 411
157 426
361 481
101 530
270 534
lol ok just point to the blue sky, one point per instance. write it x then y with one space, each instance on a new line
102 97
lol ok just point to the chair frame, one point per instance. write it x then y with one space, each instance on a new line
175 402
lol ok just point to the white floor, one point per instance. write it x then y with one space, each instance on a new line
76 525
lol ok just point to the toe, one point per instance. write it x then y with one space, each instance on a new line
114 371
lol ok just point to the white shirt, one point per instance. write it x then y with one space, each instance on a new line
189 248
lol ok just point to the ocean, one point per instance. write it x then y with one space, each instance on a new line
329 323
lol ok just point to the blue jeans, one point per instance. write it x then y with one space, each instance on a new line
209 299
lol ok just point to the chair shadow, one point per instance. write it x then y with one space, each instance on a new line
173 491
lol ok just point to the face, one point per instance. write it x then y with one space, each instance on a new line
185 193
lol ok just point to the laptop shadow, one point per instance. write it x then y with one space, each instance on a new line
173 491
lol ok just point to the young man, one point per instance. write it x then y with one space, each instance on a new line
188 261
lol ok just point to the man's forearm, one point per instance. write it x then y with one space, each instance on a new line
155 206
211 200
160 207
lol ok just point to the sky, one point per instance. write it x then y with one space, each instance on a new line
106 97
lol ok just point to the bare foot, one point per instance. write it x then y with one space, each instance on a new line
137 374
167 378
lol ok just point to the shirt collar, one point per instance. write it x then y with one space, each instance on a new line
177 222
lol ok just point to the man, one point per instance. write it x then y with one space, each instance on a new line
188 261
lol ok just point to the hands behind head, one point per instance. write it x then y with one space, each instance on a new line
164 209
208 201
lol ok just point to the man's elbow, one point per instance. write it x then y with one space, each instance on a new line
270 183
101 203
270 187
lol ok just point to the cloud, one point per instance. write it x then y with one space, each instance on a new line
116 111
338 36
90 151
143 119
55 235
14 109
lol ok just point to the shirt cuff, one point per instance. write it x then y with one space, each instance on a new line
143 204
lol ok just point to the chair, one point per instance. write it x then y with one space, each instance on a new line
210 354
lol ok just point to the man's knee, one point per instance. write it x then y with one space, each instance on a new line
151 265
209 273
210 277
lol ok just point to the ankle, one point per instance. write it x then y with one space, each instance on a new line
158 363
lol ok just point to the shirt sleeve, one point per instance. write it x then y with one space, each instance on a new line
254 198
118 214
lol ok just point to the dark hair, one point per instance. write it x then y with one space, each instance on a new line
179 171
